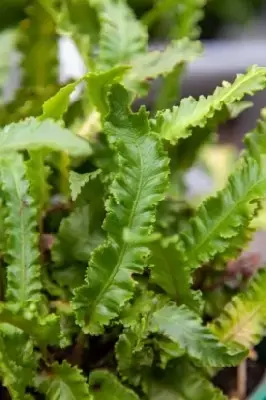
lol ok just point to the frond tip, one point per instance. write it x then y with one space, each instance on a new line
179 122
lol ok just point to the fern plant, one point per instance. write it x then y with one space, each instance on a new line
106 266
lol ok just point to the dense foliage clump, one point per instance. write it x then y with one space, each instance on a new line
109 271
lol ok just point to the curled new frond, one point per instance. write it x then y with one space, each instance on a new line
139 185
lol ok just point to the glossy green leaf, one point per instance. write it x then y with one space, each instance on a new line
135 191
210 233
185 328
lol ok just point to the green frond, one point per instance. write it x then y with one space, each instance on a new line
219 220
179 122
63 381
18 363
243 319
160 63
182 380
122 36
32 134
22 252
172 276
138 186
183 327
104 385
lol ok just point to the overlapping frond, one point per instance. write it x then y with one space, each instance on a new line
184 327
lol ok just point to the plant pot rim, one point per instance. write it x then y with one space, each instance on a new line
260 392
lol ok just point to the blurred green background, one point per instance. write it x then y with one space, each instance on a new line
218 13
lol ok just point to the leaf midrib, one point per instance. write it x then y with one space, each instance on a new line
125 245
